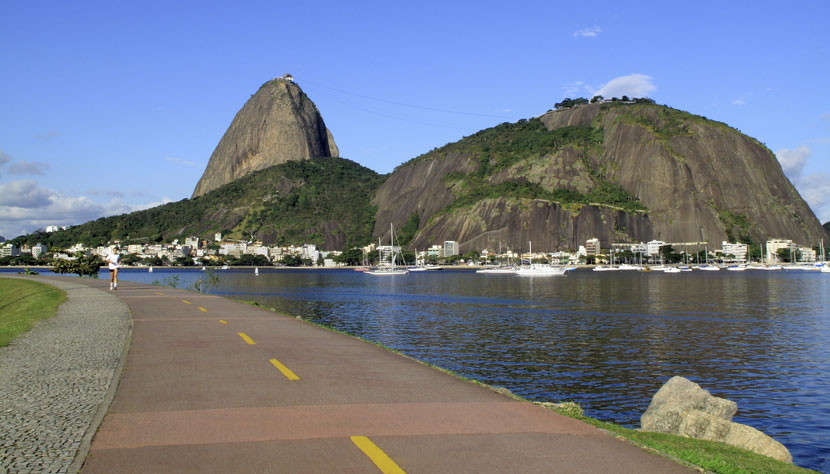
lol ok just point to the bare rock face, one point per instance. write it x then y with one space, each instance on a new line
682 408
278 124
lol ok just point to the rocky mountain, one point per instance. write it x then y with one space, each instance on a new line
324 201
620 171
276 125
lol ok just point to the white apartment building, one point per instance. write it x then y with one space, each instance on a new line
9 250
738 250
773 246
39 249
653 247
450 248
592 246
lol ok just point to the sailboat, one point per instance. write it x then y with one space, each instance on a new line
825 268
388 255
256 271
539 269
499 269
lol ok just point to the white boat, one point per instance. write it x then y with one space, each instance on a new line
504 270
629 267
606 268
540 269
736 268
671 270
256 271
150 270
434 267
825 268
225 267
709 268
388 254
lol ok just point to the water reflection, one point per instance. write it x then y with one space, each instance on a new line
607 340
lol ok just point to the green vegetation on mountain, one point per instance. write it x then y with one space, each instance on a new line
325 201
621 170
499 148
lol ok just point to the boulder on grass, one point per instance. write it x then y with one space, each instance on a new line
682 408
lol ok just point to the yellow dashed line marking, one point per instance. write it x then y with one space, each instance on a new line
202 309
186 302
285 370
246 338
223 321
381 460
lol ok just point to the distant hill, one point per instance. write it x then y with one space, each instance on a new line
325 201
277 124
619 171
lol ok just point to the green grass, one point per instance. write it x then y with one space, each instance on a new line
23 303
714 457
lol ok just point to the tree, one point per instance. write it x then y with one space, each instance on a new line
82 265
597 98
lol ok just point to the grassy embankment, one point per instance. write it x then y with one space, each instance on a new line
713 457
23 303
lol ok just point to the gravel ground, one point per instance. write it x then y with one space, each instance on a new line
55 381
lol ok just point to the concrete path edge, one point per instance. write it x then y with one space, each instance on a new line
103 407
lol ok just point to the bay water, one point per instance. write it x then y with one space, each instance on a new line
606 340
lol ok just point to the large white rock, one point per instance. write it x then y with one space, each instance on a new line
682 408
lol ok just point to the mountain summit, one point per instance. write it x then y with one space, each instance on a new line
276 125
624 171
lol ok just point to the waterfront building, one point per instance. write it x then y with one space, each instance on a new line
738 250
774 245
434 251
450 248
192 241
9 250
592 247
39 250
806 255
653 247
233 249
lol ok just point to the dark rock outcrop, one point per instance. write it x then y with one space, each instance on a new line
682 408
277 124
696 180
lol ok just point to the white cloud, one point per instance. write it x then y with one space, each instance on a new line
25 206
738 102
180 161
24 194
793 161
575 88
28 167
814 188
589 32
632 85
4 158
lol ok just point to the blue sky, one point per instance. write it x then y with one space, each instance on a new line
108 107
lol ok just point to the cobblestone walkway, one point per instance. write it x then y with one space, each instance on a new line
54 379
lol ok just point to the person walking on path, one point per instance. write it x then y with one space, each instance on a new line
112 260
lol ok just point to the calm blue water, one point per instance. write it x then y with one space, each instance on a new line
605 340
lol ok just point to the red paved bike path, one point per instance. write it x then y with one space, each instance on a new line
196 397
